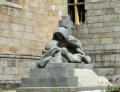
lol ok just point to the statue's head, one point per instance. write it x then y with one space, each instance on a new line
61 34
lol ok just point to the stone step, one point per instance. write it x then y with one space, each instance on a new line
52 72
47 89
61 89
69 65
50 82
61 72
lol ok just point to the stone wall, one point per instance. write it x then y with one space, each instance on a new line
25 28
100 35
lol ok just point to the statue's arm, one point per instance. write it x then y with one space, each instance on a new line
52 44
79 50
72 58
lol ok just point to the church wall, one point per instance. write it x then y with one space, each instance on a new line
100 35
25 28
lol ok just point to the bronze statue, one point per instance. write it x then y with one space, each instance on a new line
64 47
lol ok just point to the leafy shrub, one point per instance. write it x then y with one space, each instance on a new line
57 91
113 89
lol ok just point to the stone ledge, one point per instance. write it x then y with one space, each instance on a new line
62 89
55 72
69 65
20 56
6 85
10 4
49 82
112 51
47 89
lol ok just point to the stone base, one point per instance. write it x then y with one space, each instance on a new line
63 77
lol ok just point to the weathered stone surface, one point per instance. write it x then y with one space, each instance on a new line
52 72
64 77
10 63
102 37
63 89
9 77
37 19
107 41
117 10
66 18
50 82
48 89
65 23
69 65
63 71
25 25
81 79
104 71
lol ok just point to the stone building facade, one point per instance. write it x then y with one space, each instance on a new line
100 35
26 26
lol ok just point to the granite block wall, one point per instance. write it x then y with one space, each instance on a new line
100 33
25 27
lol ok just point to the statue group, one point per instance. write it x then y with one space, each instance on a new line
64 47
68 68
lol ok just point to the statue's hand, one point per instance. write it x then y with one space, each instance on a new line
64 51
80 51
86 59
54 50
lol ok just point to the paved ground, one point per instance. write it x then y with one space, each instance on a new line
7 91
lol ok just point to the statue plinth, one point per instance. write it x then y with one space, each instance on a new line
65 77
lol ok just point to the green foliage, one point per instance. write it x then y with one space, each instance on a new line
2 91
112 88
116 88
45 91
57 91
20 91
109 88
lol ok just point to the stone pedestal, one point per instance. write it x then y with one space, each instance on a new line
63 77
